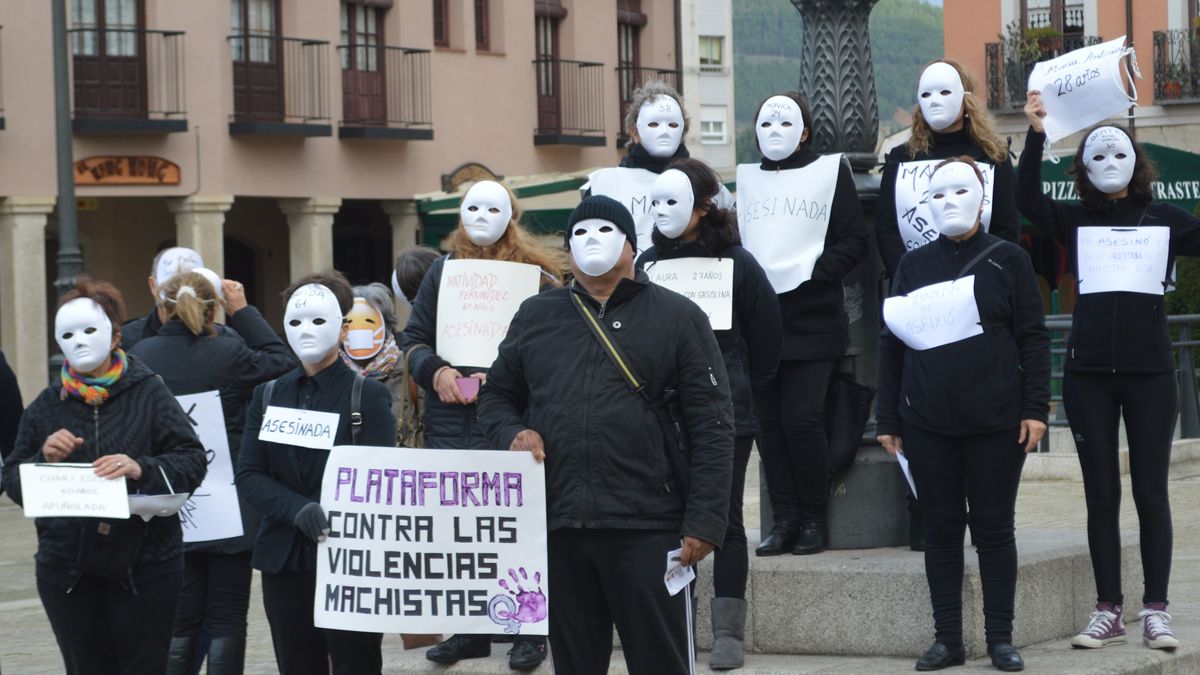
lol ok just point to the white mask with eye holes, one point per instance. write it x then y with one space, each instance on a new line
940 95
672 200
313 323
596 246
1109 157
660 126
779 127
955 198
486 210
83 333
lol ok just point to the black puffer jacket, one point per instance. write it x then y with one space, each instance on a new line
606 462
140 419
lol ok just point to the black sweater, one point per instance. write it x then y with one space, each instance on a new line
1005 222
638 158
985 383
1111 332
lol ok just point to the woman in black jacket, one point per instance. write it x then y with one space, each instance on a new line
109 614
192 358
964 386
689 224
799 216
1119 360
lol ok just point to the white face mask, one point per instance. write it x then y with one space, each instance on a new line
485 211
660 126
212 279
83 333
955 198
779 127
940 95
173 261
672 200
1109 157
313 323
366 333
596 246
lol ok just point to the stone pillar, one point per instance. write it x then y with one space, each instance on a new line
406 224
200 226
23 312
310 234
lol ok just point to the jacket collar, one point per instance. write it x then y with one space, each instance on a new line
626 289
173 328
639 158
976 242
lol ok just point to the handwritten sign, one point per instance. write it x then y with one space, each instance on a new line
71 490
476 301
126 170
912 201
292 426
708 282
442 541
1082 87
934 315
213 511
631 187
1130 259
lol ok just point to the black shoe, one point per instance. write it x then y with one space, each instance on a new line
940 656
812 538
782 538
459 647
1005 657
527 653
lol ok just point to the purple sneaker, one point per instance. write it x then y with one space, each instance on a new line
1156 629
1105 627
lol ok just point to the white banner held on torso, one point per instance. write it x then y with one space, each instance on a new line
293 426
1082 87
476 301
934 315
213 511
71 489
1130 259
631 187
912 201
708 282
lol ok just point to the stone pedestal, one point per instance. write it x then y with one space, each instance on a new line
23 313
310 236
200 226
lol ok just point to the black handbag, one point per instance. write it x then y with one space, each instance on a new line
847 409
109 548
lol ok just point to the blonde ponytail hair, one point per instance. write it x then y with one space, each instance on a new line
190 298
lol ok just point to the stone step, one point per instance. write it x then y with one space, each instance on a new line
1062 462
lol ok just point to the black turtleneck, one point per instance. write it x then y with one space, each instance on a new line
639 158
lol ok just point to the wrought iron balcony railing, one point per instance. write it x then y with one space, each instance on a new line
1008 65
570 102
280 85
1176 66
128 80
386 92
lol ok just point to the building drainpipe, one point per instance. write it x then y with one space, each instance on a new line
679 45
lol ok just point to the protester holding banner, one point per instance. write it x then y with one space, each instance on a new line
625 503
1121 246
964 391
192 358
799 216
689 226
291 425
109 586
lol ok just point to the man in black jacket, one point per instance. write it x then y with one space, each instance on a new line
617 502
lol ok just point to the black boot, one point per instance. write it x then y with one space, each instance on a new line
812 537
527 652
942 656
182 656
227 655
1005 657
782 538
459 647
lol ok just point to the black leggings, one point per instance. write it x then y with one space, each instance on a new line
952 473
792 445
216 595
730 562
1095 403
303 649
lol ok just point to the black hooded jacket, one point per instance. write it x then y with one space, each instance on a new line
136 330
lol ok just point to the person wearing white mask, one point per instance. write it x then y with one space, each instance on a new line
799 216
109 586
166 263
1119 359
284 482
621 495
964 393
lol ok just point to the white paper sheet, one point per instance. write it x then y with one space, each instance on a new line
476 301
934 315
677 576
69 489
708 282
1082 87
904 467
159 506
292 426
213 511
1131 259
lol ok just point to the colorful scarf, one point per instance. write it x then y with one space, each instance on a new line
382 366
93 390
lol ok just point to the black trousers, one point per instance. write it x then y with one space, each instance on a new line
961 481
1095 404
792 443
303 649
599 578
216 595
731 564
102 628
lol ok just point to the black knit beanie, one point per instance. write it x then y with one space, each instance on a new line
604 208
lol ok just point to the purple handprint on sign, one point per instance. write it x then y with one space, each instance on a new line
529 606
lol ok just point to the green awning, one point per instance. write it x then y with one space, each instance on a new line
1178 177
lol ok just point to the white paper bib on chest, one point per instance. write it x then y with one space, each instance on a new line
293 426
912 201
708 282
1129 259
784 215
632 188
934 315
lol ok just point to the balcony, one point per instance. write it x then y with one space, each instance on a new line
570 102
1176 67
280 86
1010 62
128 81
629 78
386 93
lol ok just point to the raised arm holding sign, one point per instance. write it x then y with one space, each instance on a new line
1085 86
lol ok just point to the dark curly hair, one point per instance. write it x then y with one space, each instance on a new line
1140 185
717 228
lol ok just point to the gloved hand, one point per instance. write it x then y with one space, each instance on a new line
311 520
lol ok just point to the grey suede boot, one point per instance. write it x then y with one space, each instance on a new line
729 627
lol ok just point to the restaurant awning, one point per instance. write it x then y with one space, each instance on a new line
1178 177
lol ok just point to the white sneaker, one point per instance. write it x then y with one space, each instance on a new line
1156 629
1105 627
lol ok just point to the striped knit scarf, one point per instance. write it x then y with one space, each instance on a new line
93 390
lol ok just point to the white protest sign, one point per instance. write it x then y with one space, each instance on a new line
433 541
476 301
1131 259
1082 87
912 201
784 215
708 282
293 426
631 187
934 315
72 490
212 512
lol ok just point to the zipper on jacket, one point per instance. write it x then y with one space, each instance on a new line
587 395
603 306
